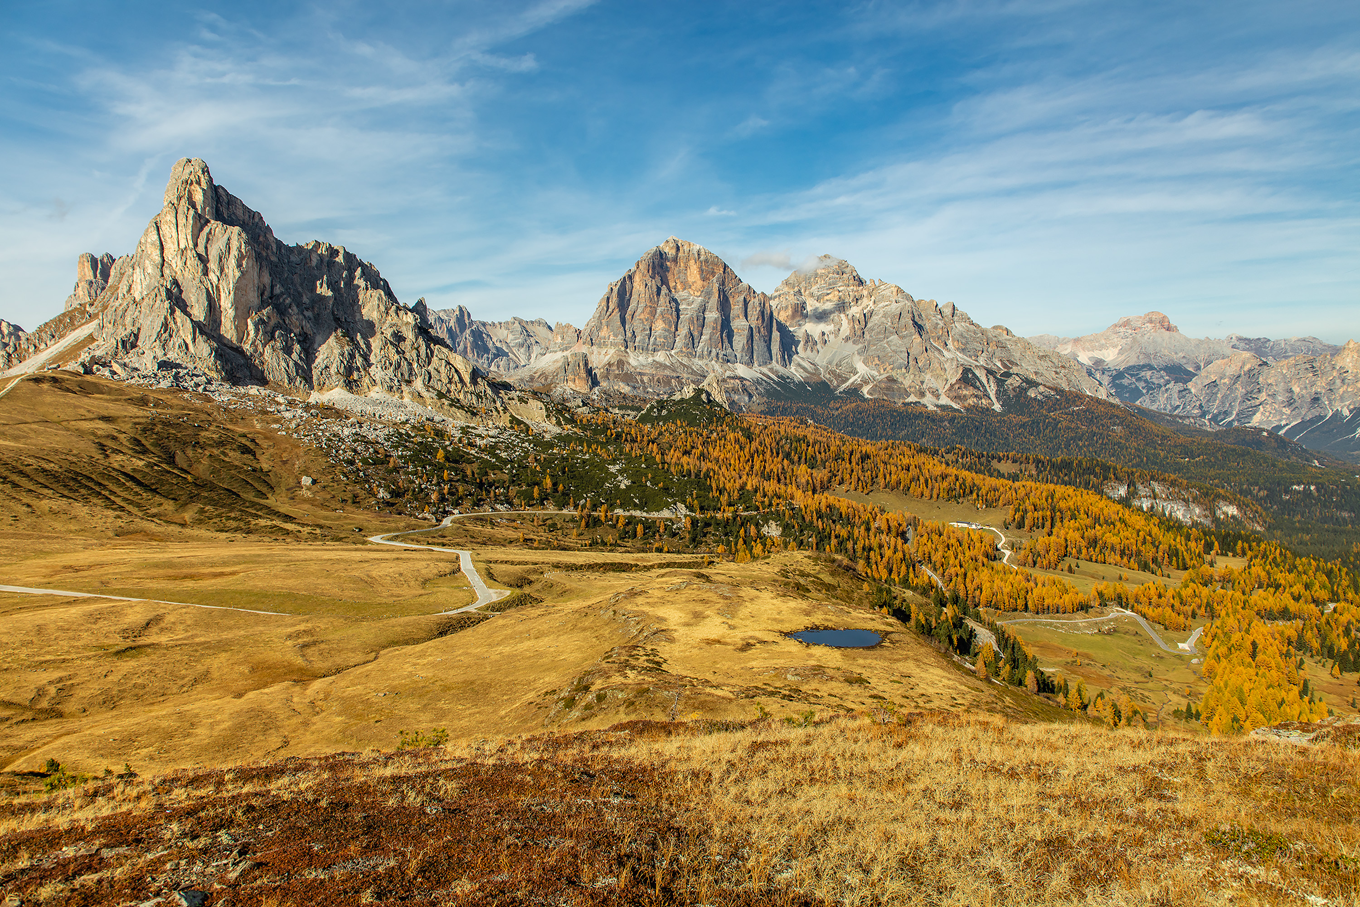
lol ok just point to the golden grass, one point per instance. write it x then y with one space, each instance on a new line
96 683
863 810
977 810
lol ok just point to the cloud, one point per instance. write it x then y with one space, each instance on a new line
715 211
750 126
765 259
783 262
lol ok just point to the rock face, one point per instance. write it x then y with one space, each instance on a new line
15 346
876 338
1314 400
210 287
1302 387
495 346
681 298
92 276
681 317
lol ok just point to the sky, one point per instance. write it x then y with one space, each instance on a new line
1049 165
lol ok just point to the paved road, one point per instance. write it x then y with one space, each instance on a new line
485 595
1185 648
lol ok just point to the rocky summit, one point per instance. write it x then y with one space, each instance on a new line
1301 387
210 288
682 317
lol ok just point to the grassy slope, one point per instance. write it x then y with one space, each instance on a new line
931 808
360 653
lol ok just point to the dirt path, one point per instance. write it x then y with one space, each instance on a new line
26 590
1002 546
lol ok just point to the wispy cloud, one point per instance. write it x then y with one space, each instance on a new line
1049 164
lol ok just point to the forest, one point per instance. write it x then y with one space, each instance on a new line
1302 498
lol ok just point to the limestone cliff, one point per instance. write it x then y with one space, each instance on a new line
209 286
681 317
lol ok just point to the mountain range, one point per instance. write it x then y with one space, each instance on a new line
1302 388
209 287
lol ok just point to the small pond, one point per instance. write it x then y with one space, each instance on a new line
840 639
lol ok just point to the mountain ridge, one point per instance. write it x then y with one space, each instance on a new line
1302 387
681 316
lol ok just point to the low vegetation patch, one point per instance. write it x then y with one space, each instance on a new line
928 808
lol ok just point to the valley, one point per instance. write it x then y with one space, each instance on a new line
281 557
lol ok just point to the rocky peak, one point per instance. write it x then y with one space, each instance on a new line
685 267
91 270
830 287
211 288
1152 321
682 298
191 187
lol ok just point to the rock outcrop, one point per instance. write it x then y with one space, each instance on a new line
92 276
210 287
15 346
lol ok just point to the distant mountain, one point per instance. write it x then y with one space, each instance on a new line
1152 339
682 317
1302 388
1311 399
495 346
211 288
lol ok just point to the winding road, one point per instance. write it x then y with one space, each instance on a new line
1185 648
485 595
1002 546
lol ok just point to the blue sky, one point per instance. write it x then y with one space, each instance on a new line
1050 165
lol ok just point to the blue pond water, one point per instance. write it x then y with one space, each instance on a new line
841 639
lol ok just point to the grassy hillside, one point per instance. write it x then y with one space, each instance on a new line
872 809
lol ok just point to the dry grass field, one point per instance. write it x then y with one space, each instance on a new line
922 808
121 491
95 683
629 727
1115 654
